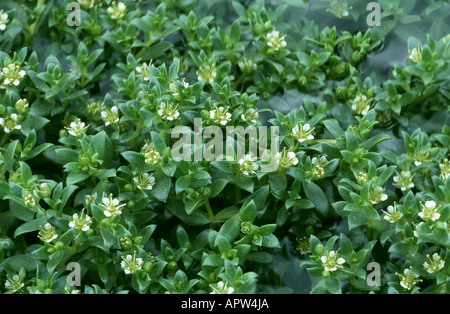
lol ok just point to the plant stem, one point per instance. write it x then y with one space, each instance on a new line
212 218
5 138
144 49
32 27
237 193
209 209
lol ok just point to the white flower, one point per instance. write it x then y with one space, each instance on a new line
3 20
168 111
22 105
377 195
206 73
247 165
445 170
10 123
150 153
251 115
47 233
302 132
247 65
430 211
77 129
408 279
274 41
130 263
361 105
331 261
110 116
434 263
110 206
12 74
14 284
415 55
339 8
42 190
144 181
221 288
174 89
87 4
143 71
403 181
117 11
81 222
220 115
392 215
420 157
286 159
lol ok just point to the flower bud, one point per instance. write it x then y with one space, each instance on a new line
246 227
204 114
22 106
125 243
341 92
138 240
148 266
325 274
319 249
309 230
302 81
356 57
172 266
59 245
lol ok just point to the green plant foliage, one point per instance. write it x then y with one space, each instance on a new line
88 176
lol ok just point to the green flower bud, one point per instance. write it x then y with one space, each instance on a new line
309 230
356 57
148 266
206 191
18 148
167 152
59 245
204 114
341 92
246 227
128 187
319 249
172 266
138 240
258 28
22 106
302 81
125 243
